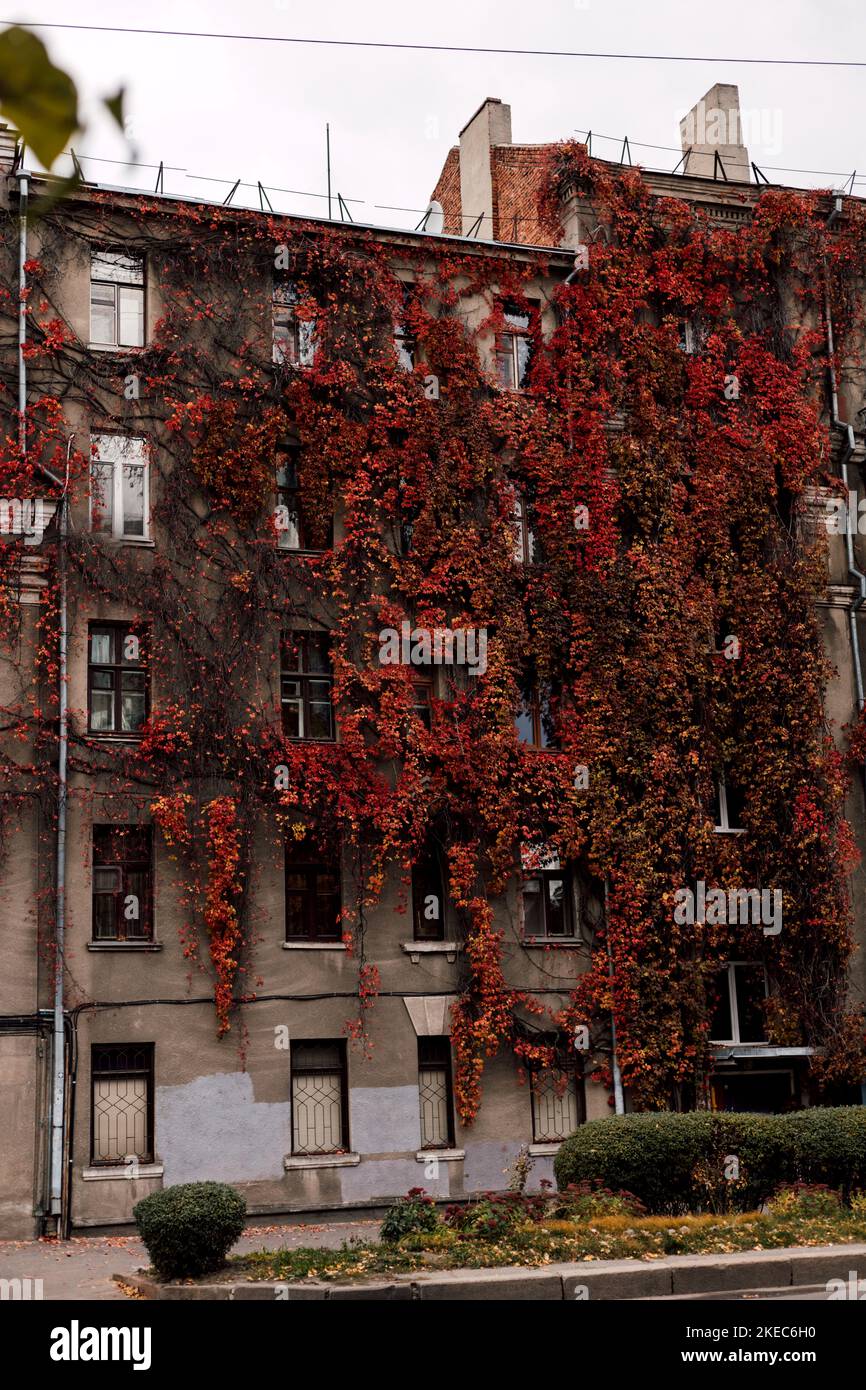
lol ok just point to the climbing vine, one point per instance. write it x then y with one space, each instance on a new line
692 468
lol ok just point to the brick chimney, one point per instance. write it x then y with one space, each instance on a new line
713 126
491 125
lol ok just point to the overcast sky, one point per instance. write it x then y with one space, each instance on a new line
228 109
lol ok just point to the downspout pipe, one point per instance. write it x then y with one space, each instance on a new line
23 191
618 1098
59 1049
849 536
841 424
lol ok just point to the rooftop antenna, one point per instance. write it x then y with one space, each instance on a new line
328 155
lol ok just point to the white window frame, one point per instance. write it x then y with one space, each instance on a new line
730 971
724 826
298 347
133 261
118 519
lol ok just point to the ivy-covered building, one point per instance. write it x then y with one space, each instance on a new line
430 676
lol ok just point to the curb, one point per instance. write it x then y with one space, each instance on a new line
589 1280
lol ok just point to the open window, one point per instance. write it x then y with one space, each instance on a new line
729 806
303 524
514 343
116 299
740 989
294 338
119 491
535 718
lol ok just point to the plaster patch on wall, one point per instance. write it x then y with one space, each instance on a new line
487 1165
213 1128
384 1119
389 1177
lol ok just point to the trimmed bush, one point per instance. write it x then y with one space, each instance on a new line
189 1229
682 1162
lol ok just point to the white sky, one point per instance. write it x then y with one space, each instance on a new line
228 109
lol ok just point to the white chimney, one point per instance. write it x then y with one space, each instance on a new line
491 125
714 127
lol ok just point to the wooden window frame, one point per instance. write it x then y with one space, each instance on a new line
543 876
117 530
124 867
122 630
427 874
140 286
290 497
312 869
304 677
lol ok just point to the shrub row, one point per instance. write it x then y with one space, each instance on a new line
717 1161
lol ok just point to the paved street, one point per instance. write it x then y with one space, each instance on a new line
82 1268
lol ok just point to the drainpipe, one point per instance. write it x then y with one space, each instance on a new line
618 1100
848 451
849 538
23 187
59 1052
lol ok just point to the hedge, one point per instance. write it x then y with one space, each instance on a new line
190 1228
718 1161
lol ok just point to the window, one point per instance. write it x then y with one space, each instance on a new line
116 299
738 1016
534 719
514 345
547 895
119 486
687 336
404 343
313 899
307 687
428 896
557 1104
422 700
729 807
117 695
526 548
122 1103
320 1102
293 337
434 1093
297 527
122 883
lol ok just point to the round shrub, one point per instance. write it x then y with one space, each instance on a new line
828 1146
190 1228
804 1199
410 1215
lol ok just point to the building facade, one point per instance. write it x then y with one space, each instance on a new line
315 876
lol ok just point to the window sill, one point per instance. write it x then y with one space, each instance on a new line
727 830
126 1172
314 946
291 1162
572 942
416 949
545 1150
124 945
443 1155
117 349
113 738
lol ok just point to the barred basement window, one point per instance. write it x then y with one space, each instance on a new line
116 299
307 687
557 1105
122 883
117 693
434 1093
320 1099
122 1102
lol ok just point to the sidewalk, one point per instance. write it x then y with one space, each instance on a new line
82 1268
